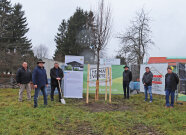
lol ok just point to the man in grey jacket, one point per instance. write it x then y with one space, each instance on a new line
147 81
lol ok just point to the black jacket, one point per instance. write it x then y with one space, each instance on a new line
127 76
53 76
23 76
172 83
147 78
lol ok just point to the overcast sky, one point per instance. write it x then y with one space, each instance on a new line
168 25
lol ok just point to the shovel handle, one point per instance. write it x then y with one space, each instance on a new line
60 88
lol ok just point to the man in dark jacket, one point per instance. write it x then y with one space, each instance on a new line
23 78
39 78
147 81
56 75
127 77
171 82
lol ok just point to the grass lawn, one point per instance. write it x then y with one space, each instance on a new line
132 116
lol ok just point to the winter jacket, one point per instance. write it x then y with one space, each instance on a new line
147 78
39 77
171 81
56 73
127 76
23 76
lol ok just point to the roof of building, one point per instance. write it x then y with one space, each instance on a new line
170 60
74 63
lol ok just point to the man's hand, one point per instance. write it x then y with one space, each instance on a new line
144 84
19 84
58 78
46 85
35 86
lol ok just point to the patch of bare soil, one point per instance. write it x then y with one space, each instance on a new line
81 128
141 129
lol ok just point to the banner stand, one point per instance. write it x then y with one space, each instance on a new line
106 84
88 83
110 85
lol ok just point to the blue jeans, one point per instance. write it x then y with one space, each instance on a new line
37 94
148 89
168 93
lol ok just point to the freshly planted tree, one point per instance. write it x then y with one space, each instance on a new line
102 34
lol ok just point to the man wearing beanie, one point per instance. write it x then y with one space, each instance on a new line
171 82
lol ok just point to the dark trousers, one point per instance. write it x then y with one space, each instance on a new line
37 90
126 89
168 93
53 87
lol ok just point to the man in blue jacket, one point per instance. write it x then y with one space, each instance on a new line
39 78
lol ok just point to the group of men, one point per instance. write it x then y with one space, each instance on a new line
38 77
171 82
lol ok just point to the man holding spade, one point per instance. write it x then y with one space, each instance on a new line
39 78
56 74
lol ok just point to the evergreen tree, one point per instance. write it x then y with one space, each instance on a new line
14 45
5 24
60 40
75 36
21 42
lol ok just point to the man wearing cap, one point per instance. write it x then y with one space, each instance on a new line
147 81
23 78
171 82
39 78
127 77
56 74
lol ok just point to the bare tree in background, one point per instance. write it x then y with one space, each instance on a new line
40 51
102 34
136 41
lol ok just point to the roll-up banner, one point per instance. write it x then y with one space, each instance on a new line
73 77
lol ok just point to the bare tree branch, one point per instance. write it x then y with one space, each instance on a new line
137 40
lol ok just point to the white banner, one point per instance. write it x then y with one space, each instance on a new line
107 61
73 80
102 74
159 71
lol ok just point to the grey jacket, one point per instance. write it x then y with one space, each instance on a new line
147 78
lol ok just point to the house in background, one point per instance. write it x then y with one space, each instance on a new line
76 65
172 61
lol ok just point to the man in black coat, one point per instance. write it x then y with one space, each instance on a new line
127 77
56 75
147 82
23 78
171 82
